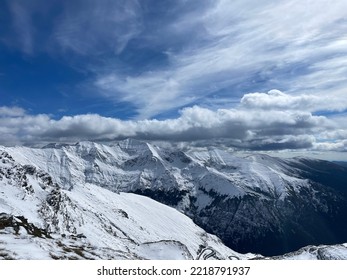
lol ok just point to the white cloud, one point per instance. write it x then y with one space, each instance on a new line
210 47
245 128
276 99
298 46
337 146
83 27
96 27
11 111
289 44
23 27
151 95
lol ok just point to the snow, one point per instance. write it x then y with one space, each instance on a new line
21 247
143 219
334 252
117 167
95 203
131 226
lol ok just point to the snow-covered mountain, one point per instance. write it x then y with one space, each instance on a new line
254 203
41 220
322 252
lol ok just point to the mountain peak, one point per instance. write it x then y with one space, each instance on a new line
131 144
55 145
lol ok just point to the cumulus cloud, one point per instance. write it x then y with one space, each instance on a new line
278 100
338 134
210 54
11 111
244 128
337 146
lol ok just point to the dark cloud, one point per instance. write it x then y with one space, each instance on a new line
282 143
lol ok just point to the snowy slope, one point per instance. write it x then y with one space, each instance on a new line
323 252
132 165
41 220
254 203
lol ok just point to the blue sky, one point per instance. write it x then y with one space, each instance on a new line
271 75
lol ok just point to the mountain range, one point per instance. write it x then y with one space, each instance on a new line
136 200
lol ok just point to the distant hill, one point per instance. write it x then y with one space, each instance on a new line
342 163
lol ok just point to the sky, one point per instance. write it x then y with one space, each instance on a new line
256 75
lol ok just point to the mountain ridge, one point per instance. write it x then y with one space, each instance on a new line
41 220
252 202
